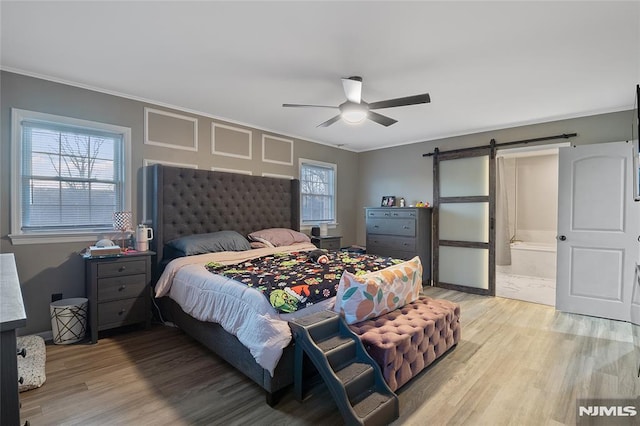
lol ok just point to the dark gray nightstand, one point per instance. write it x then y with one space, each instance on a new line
118 289
329 242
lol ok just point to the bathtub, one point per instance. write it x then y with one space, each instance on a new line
533 259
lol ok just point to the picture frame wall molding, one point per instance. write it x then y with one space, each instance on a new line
276 175
227 170
217 144
277 156
154 129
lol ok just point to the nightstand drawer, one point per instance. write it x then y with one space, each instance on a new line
331 244
121 312
111 269
124 287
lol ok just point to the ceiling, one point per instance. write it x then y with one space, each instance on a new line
486 65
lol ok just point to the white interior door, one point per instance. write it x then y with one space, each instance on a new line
598 229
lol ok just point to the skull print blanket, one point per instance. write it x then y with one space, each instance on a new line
292 281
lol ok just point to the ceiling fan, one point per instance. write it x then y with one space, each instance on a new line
355 110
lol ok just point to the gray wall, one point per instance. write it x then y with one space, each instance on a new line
45 269
403 171
362 178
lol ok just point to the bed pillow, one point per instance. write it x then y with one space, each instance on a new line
210 243
376 293
276 237
259 245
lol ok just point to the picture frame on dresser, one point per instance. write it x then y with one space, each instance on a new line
388 201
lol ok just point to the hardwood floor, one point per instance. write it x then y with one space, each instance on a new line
517 363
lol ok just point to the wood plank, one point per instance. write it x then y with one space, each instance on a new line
517 363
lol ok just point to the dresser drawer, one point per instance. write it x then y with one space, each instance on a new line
391 213
331 244
404 227
123 287
399 254
111 269
121 312
375 243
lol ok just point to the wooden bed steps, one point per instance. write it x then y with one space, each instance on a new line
352 376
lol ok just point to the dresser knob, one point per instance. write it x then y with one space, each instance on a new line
405 227
122 287
23 352
21 380
122 268
122 311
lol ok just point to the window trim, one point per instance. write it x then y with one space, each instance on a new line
304 225
18 236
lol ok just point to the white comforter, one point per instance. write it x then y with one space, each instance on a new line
240 310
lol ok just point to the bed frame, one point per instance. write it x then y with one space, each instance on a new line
191 201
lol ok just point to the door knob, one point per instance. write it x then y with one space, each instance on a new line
562 238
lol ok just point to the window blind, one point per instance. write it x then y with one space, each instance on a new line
71 177
317 188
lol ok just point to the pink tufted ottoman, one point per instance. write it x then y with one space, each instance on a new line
405 341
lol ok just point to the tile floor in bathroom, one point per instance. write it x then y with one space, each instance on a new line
529 289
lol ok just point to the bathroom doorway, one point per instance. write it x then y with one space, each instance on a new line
526 223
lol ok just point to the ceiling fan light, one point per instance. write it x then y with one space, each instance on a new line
353 114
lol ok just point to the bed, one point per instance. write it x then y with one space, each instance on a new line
204 268
192 201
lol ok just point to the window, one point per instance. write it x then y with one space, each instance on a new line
70 176
317 192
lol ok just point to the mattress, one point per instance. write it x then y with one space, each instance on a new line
240 310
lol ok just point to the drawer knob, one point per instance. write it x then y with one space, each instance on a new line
395 214
405 227
122 311
23 352
122 287
21 380
386 214
375 226
122 268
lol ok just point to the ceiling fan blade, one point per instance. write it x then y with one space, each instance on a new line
381 119
329 122
353 88
308 106
408 100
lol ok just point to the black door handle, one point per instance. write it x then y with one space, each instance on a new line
562 238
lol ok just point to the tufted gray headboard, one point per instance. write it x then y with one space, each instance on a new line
191 201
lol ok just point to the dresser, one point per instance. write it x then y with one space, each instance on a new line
401 232
12 316
118 289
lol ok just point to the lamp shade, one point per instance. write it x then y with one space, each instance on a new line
122 221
